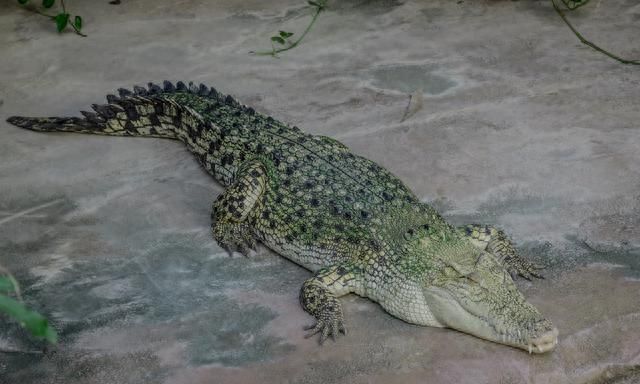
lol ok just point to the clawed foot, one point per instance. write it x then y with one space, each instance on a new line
319 297
235 238
244 251
518 266
330 322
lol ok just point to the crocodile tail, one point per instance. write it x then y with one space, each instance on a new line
49 124
141 112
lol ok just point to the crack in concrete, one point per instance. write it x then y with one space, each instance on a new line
28 211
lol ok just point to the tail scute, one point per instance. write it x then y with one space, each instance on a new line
168 86
154 89
123 92
141 112
92 117
140 90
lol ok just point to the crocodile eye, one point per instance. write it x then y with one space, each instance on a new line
425 227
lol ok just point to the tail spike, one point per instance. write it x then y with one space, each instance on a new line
181 86
124 92
139 90
92 117
193 88
104 110
229 99
154 88
168 86
213 93
203 90
112 99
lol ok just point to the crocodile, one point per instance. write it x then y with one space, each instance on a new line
351 222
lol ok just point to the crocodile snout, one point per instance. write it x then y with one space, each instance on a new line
544 343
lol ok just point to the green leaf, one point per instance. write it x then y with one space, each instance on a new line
285 34
48 3
77 22
62 19
277 39
32 321
6 284
22 1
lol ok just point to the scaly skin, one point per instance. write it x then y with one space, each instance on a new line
335 213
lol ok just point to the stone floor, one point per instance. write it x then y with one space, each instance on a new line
518 125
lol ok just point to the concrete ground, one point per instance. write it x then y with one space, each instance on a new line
520 125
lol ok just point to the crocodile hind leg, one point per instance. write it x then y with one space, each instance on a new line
496 242
233 210
319 297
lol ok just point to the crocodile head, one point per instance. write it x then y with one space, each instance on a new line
469 290
461 287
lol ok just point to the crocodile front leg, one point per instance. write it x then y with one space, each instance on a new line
234 208
319 297
495 241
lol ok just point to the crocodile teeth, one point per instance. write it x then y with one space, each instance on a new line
530 349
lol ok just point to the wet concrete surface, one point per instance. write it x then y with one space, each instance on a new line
520 126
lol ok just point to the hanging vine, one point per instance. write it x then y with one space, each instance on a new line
62 19
572 5
11 304
281 43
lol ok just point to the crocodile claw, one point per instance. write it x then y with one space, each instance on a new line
235 237
525 269
326 329
329 322
244 249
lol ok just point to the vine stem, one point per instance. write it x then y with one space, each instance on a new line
16 287
274 52
587 42
77 31
64 10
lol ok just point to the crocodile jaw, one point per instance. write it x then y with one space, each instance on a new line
452 314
